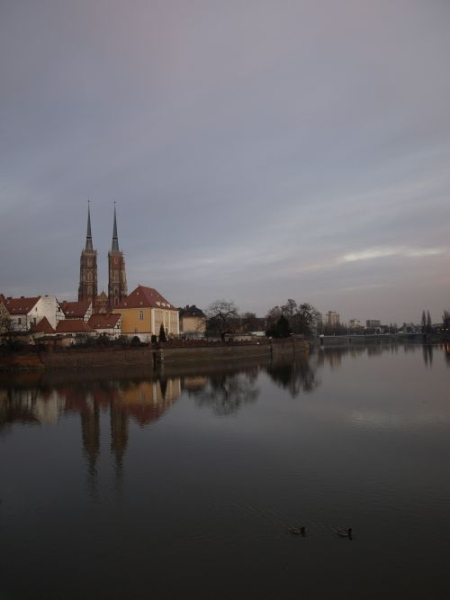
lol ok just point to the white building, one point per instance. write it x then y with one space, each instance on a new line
26 312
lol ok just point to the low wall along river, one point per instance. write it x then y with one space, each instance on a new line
37 358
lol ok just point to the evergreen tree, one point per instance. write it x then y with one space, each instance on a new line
446 319
162 334
429 323
281 329
424 322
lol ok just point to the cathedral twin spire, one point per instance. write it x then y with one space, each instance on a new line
89 234
115 239
117 283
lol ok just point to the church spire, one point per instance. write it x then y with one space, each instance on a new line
87 289
117 284
115 239
89 245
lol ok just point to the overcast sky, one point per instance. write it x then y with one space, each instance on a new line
257 150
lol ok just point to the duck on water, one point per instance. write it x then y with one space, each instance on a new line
298 530
343 532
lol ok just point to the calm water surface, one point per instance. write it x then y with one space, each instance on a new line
184 486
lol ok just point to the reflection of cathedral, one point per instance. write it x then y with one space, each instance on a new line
142 401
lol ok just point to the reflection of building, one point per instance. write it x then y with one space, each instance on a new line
194 384
48 410
119 431
143 401
148 400
90 431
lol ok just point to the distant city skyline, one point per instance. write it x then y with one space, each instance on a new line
256 151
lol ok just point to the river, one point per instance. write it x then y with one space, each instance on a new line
185 484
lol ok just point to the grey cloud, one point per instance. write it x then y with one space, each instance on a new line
243 142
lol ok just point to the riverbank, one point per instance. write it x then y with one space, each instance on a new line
380 339
36 358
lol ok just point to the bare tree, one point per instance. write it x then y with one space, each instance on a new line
222 317
249 322
7 329
302 319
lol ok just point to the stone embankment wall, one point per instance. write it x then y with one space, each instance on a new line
203 353
35 358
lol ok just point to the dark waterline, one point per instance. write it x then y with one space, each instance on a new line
185 485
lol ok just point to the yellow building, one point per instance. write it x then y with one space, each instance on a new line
143 312
192 322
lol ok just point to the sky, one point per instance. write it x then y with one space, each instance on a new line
256 150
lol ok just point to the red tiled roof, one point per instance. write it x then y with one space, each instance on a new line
102 321
73 326
145 297
75 309
20 306
43 327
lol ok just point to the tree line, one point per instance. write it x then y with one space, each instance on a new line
223 318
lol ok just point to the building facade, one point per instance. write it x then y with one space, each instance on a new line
27 312
87 289
333 318
143 312
117 279
192 322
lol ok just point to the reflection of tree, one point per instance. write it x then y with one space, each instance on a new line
226 393
447 354
427 350
294 376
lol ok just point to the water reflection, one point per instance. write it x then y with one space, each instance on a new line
333 356
33 399
225 393
142 401
296 376
427 355
367 447
447 354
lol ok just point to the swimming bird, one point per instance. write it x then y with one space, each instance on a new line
297 530
343 532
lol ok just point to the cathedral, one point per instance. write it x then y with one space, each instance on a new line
117 280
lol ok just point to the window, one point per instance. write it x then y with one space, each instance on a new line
141 315
19 321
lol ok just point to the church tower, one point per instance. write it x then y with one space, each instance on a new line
117 282
87 289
